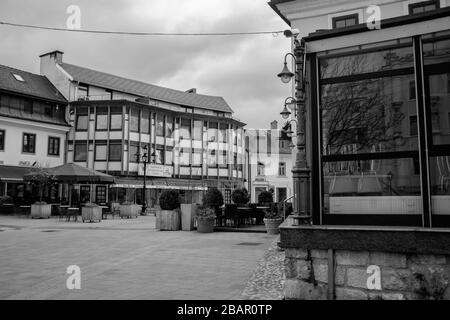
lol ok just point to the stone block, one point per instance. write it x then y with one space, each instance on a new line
303 269
357 277
319 254
339 275
302 290
320 271
427 259
290 268
296 253
385 259
350 294
395 279
392 296
352 258
429 282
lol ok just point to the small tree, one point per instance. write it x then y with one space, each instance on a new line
169 200
240 196
213 198
265 197
41 178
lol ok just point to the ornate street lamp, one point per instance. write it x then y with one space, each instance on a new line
144 159
301 172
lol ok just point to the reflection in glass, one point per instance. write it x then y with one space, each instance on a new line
368 116
439 106
386 186
440 184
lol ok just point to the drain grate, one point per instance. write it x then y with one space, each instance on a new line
249 244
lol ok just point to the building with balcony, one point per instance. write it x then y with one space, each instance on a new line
193 141
269 164
33 128
378 119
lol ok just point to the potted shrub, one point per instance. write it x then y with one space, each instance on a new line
265 198
41 178
272 220
169 216
206 216
240 197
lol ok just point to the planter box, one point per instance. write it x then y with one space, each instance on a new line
272 225
188 213
168 220
91 214
205 225
130 210
41 211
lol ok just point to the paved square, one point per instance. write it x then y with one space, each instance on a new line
124 259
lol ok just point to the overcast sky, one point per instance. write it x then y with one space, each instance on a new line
242 69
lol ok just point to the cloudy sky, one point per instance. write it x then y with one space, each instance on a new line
242 69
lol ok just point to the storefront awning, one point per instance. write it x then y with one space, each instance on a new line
177 184
12 173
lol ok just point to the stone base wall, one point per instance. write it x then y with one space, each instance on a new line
366 275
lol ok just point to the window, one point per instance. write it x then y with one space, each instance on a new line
82 122
80 151
116 118
223 158
100 151
412 90
185 129
2 140
282 169
169 155
197 157
345 21
85 194
223 132
212 132
260 169
101 122
53 146
145 121
100 194
184 157
159 154
83 92
423 6
133 150
18 77
198 130
134 120
29 143
413 125
160 125
115 151
212 158
28 106
169 127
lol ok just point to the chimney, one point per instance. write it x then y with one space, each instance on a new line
56 55
274 124
193 90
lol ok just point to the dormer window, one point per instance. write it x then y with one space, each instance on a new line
345 21
18 77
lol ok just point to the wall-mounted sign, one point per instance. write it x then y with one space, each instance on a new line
156 170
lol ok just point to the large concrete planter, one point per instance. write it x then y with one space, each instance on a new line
91 213
188 213
41 211
205 224
130 210
272 225
168 220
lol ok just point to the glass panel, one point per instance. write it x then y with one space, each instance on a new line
223 132
212 158
116 121
133 150
391 59
368 116
222 158
436 52
102 122
145 122
115 152
169 127
80 151
29 141
160 125
439 106
184 157
440 184
82 122
198 129
2 140
185 129
212 132
387 186
134 120
169 156
100 152
159 152
197 157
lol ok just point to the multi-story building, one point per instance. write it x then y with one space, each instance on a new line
193 141
269 163
33 127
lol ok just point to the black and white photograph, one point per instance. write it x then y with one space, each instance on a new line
244 155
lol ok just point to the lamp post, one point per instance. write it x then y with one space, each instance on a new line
301 172
145 159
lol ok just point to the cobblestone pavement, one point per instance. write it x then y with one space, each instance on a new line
266 283
124 259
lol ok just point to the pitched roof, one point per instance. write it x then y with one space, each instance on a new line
33 85
109 81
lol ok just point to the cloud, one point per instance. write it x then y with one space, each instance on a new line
242 69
